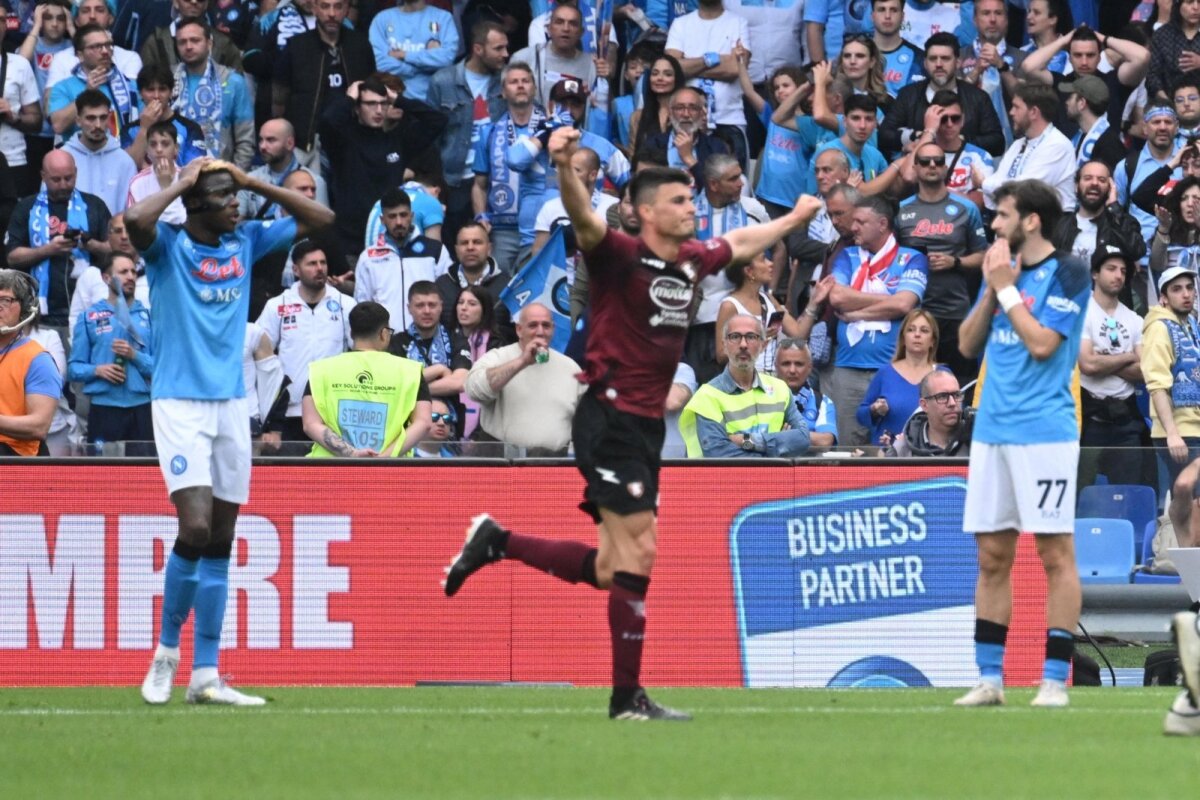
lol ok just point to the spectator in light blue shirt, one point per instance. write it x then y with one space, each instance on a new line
414 41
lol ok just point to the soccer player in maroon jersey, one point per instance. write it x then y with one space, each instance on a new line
641 291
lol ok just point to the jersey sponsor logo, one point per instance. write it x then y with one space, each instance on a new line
892 76
98 315
1064 305
290 309
43 60
211 270
905 216
654 263
671 294
226 295
378 252
933 228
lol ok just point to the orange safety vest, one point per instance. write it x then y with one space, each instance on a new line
14 365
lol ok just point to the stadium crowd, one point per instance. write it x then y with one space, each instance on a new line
424 126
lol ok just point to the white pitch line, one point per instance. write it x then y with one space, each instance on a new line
279 710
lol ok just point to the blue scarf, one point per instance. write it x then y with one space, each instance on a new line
503 183
122 96
40 235
439 346
733 216
203 105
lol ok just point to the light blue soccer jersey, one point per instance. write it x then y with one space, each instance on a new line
1026 401
864 347
199 302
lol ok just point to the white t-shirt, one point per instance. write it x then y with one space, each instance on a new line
1085 241
548 69
20 89
777 28
921 23
673 444
129 62
694 37
144 184
1110 335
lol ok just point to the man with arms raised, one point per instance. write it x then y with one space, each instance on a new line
1025 449
641 291
200 293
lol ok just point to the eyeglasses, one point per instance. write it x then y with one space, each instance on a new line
449 419
695 109
1190 98
8 302
99 46
943 398
931 161
953 119
391 331
748 338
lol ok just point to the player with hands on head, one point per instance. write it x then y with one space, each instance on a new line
199 275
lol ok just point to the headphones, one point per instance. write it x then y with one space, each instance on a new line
26 291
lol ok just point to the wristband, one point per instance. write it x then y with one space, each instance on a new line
483 218
811 312
1008 297
712 59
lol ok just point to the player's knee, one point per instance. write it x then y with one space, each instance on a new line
195 531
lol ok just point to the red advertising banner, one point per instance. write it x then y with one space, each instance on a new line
336 576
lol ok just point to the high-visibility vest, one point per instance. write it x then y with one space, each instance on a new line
365 396
763 409
13 368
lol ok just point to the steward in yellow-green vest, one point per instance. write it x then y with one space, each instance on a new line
758 415
365 396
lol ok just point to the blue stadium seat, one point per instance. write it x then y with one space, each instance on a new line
1137 504
1104 550
1148 559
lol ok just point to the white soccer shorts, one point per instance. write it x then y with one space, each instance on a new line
204 443
1024 487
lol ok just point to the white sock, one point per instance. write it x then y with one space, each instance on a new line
163 650
203 675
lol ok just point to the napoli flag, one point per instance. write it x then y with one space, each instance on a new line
544 280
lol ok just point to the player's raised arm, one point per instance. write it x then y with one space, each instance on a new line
310 215
752 239
589 226
141 219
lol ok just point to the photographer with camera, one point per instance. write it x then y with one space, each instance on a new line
55 234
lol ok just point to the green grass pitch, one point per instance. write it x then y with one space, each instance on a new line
555 742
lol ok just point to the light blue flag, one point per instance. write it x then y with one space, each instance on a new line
544 280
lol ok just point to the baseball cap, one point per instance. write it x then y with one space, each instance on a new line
1089 87
1103 254
1173 273
568 89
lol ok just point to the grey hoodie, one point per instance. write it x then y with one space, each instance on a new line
105 173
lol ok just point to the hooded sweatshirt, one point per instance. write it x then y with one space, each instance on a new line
105 173
1158 361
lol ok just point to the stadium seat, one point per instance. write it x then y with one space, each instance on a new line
1137 504
1148 559
1104 550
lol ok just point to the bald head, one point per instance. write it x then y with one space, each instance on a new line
276 143
58 173
536 323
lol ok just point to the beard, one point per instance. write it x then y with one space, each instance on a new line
1091 203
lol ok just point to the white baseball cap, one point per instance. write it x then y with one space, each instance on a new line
1173 273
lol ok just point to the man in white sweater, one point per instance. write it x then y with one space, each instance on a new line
527 392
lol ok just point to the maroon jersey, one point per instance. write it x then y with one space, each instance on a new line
640 310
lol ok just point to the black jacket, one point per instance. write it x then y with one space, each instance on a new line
449 288
1114 227
367 162
981 126
303 67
